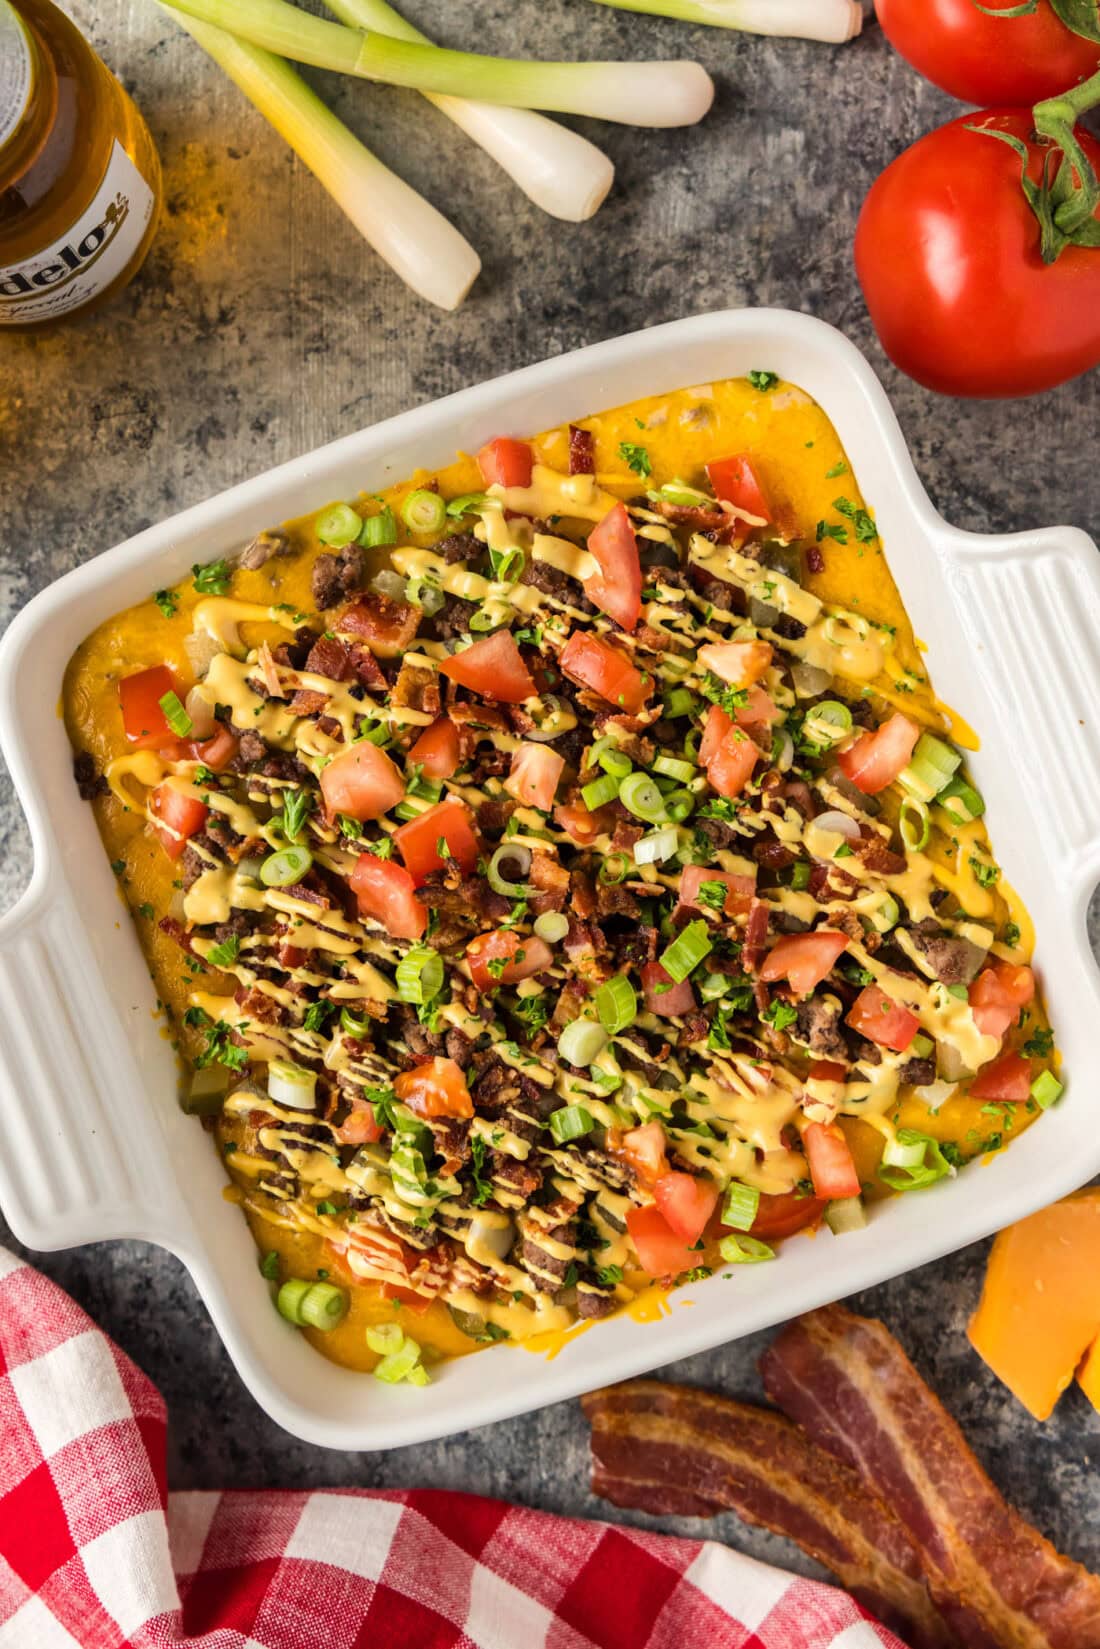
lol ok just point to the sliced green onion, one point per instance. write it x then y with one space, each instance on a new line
323 1306
912 1161
905 1154
615 762
741 1206
640 796
552 925
292 1085
355 1024
418 1375
658 846
399 1364
517 857
616 1004
471 503
423 511
744 1250
175 714
419 975
379 530
571 1122
800 875
581 1042
338 525
425 594
680 701
687 951
827 723
930 768
486 619
1046 1089
288 1301
962 801
286 867
383 1338
507 565
679 805
845 1214
885 914
678 492
599 792
921 1046
713 985
915 823
673 768
614 868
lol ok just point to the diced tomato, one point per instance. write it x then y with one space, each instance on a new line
407 1297
418 840
360 1126
828 1070
143 720
592 663
362 782
506 462
534 776
504 957
617 588
386 892
436 1088
832 1167
735 480
730 767
492 667
876 1016
805 959
438 750
663 996
643 1149
387 626
739 889
176 816
760 710
584 826
291 956
216 752
686 1203
876 759
739 662
784 1214
998 994
715 728
660 1251
1008 1078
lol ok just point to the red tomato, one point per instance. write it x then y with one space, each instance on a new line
583 826
176 816
686 1203
504 957
385 891
535 772
738 662
1008 1078
832 1168
143 720
643 1149
437 1088
947 252
715 728
730 768
876 1016
216 752
662 996
438 750
783 1215
828 1070
418 840
739 889
805 959
492 667
735 480
592 663
362 782
360 1126
660 1251
998 994
617 587
388 627
983 59
876 759
506 462
759 712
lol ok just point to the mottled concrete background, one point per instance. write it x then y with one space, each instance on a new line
262 327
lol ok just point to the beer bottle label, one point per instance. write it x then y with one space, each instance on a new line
16 72
83 262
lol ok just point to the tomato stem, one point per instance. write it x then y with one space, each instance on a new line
1075 198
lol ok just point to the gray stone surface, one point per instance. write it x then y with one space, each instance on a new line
262 326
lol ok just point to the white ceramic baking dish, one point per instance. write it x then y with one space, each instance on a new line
92 1144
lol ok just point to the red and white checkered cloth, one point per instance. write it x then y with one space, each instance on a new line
94 1551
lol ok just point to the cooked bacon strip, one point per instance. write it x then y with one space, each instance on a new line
582 451
1000 1584
677 1451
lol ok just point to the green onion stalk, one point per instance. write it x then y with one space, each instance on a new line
635 94
833 21
417 242
556 168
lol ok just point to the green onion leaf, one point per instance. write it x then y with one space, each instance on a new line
419 975
616 1004
640 796
741 1206
687 951
744 1250
175 715
378 530
571 1122
338 525
423 511
285 868
1046 1089
600 791
581 1042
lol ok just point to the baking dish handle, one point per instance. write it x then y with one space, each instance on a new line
1031 609
70 1171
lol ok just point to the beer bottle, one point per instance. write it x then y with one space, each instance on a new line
80 182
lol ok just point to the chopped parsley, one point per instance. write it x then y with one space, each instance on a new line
712 895
224 954
316 1015
1039 1044
636 457
213 579
483 1188
832 529
780 1014
608 1275
269 1266
984 874
864 527
168 602
763 380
